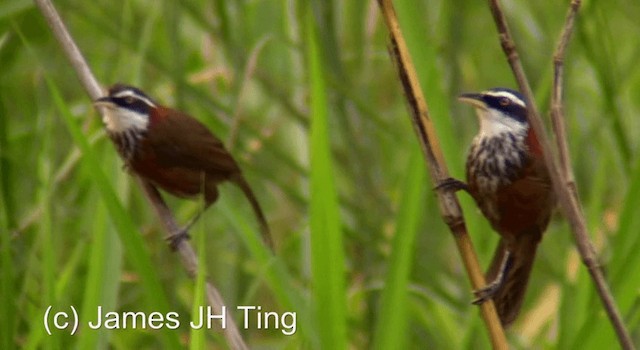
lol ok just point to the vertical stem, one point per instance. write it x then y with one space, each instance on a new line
449 205
567 194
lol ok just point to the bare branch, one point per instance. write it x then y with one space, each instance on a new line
190 262
557 111
91 85
567 194
449 205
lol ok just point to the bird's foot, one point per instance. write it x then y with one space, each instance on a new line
487 292
177 238
451 184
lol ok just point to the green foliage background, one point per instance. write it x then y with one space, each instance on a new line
305 95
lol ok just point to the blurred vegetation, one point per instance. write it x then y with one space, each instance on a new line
305 95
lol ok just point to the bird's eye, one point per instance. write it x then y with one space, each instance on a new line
504 101
129 100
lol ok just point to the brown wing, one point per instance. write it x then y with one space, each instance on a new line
526 202
183 142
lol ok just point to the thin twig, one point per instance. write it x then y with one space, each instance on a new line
249 71
448 202
185 250
567 195
190 262
557 110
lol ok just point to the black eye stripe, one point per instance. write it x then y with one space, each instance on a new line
131 98
126 92
511 95
132 103
513 109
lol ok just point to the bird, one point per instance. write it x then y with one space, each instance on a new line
172 150
507 177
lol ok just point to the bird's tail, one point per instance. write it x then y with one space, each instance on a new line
509 297
262 221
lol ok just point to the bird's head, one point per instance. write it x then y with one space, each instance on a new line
499 110
126 108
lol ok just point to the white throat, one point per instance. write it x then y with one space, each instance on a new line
119 120
494 123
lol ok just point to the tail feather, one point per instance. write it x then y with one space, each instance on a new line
508 299
262 221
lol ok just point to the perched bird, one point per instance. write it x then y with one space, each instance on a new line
171 149
509 181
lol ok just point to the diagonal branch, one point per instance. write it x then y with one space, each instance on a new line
449 205
185 250
562 180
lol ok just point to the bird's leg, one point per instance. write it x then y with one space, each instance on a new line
174 240
210 194
183 234
487 292
451 184
192 222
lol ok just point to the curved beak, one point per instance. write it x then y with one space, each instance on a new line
474 99
105 101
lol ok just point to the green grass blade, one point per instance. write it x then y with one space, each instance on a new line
625 259
391 329
7 289
45 234
198 334
274 274
7 216
103 279
327 254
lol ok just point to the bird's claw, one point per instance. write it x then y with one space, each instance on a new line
177 238
451 184
485 293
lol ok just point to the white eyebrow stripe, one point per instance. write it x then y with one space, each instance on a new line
508 95
130 93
